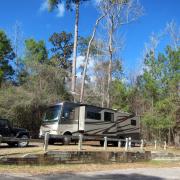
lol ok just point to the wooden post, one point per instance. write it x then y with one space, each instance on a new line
126 145
165 145
80 142
119 143
129 142
155 144
46 140
105 143
142 144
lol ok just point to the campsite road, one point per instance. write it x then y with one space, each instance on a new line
122 174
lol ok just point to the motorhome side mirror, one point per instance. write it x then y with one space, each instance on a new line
66 115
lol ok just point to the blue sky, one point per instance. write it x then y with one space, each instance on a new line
38 23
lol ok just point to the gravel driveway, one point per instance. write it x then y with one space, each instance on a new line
123 174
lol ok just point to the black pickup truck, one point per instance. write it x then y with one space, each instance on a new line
13 136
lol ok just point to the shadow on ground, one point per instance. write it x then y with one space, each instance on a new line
4 146
102 177
83 177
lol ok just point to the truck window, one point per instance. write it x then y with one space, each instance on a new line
93 115
133 122
108 116
3 123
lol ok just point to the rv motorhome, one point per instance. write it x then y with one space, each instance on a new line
66 119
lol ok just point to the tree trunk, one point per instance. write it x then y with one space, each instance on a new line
87 58
173 135
73 85
109 82
152 105
103 93
110 61
169 136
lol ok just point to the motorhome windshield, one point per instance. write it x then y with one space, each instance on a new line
52 113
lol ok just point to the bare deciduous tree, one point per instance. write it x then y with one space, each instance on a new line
120 12
87 56
17 43
174 33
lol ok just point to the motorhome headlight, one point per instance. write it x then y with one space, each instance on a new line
53 132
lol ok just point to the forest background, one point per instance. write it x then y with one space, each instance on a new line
32 75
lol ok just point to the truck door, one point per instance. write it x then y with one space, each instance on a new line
5 129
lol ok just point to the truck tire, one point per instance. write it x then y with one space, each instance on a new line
51 142
24 141
11 144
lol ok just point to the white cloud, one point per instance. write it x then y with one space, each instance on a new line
96 2
60 10
44 6
80 61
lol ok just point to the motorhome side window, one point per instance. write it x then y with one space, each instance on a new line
93 115
108 116
133 122
68 113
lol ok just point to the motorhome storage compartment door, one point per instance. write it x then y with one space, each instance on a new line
82 118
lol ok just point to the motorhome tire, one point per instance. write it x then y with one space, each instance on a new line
101 143
115 144
123 144
122 141
67 139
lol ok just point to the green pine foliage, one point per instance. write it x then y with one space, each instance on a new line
6 55
35 51
160 86
62 48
